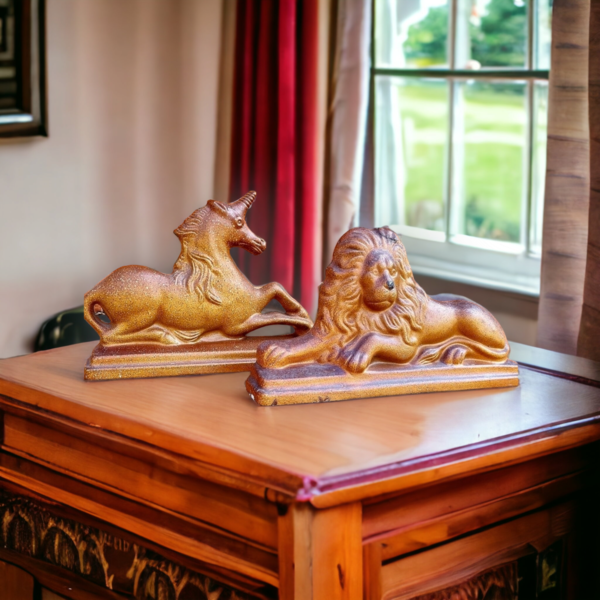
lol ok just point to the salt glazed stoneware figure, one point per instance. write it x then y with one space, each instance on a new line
377 333
195 319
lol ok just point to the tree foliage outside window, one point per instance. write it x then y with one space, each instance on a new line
498 37
428 39
501 38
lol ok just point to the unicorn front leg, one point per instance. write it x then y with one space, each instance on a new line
258 320
275 291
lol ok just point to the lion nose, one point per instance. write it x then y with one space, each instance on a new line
389 285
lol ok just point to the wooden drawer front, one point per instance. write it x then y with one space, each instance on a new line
457 564
414 521
248 516
15 583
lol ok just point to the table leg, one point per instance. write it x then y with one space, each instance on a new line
320 553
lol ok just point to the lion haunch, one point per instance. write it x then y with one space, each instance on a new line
371 308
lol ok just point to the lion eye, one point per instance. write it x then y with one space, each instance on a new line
239 222
393 272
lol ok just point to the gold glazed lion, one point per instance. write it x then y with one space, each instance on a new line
371 307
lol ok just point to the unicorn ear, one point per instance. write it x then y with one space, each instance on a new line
181 233
218 206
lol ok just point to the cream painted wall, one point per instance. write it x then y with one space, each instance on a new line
133 88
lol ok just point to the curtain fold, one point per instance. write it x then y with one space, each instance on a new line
275 139
566 204
569 312
589 330
348 107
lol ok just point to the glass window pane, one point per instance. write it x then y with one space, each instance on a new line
491 33
543 34
411 33
411 141
538 175
489 156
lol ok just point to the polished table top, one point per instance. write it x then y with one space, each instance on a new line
311 450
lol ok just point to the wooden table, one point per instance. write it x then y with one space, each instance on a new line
179 488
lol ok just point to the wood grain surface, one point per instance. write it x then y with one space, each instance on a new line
309 451
564 365
321 553
178 533
15 584
514 489
450 564
234 510
53 577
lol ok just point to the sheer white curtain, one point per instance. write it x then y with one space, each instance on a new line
348 105
349 99
389 165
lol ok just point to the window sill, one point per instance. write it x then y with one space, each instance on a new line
485 268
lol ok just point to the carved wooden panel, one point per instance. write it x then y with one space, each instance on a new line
28 528
496 584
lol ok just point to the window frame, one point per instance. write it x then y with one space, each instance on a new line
447 254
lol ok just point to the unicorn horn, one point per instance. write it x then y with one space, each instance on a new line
242 205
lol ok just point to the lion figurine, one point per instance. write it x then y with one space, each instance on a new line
371 308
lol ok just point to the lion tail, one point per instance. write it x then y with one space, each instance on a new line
92 311
430 355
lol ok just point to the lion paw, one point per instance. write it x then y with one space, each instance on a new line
272 356
455 355
428 356
356 362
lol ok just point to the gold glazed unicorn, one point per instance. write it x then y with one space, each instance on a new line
194 319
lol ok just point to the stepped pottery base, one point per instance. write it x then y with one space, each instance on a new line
131 361
306 384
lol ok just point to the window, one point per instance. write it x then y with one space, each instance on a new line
460 95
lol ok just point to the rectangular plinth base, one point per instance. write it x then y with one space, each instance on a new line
129 361
305 384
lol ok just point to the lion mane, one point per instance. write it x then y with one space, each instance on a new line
342 311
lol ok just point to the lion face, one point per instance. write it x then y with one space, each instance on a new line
369 287
378 280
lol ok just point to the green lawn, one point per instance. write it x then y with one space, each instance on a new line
489 186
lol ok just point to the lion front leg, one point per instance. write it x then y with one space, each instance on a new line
359 354
455 355
277 354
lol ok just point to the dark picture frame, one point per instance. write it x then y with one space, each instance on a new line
3 28
23 96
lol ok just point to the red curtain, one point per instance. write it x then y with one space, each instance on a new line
274 139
